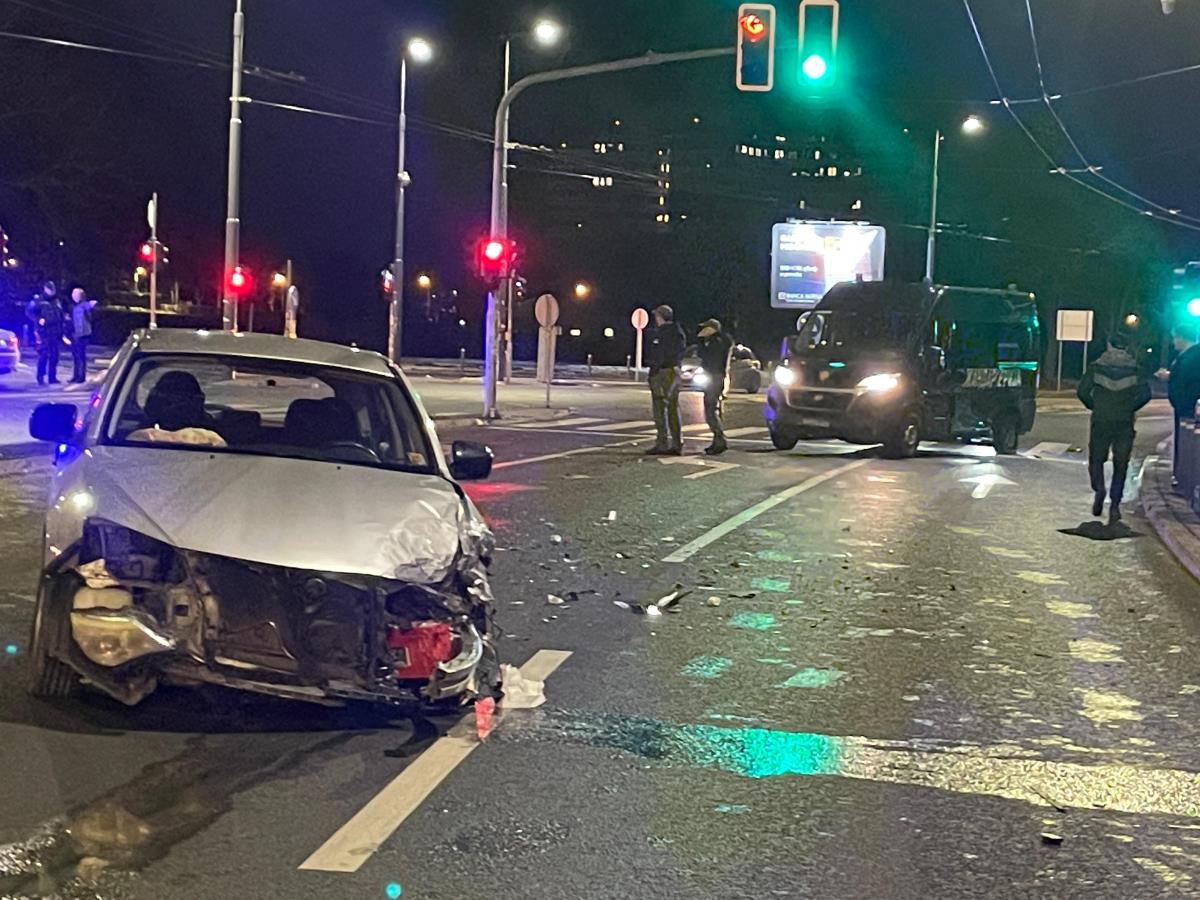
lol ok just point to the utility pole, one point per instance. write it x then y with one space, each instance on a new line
499 219
154 262
508 287
233 222
933 215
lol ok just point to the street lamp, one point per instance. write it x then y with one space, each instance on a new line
279 280
546 33
421 52
582 290
971 126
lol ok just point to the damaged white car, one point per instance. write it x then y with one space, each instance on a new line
265 514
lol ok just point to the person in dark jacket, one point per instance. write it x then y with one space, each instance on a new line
664 356
714 350
81 332
1114 390
49 334
1183 380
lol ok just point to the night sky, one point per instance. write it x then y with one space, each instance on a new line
85 138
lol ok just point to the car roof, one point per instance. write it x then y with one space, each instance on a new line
259 346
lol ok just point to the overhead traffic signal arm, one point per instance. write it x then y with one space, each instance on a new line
756 47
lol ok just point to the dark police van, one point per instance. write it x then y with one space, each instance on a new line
894 364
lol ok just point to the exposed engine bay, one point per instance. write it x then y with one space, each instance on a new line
127 612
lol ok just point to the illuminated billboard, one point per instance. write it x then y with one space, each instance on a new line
808 258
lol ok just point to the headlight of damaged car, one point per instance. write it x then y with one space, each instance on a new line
785 377
879 384
700 378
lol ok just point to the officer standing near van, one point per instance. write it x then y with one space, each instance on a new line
714 350
1114 391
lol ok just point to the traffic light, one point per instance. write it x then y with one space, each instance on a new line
146 252
818 42
496 258
756 47
239 282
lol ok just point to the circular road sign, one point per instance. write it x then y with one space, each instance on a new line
640 319
546 310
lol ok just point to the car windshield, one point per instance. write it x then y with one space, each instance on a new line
865 329
268 408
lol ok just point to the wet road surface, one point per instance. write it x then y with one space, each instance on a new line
890 679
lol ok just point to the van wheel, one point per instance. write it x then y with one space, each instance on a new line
902 443
1004 433
783 439
49 678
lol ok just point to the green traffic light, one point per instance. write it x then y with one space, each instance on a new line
815 67
1193 307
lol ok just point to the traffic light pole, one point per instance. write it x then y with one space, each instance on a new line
396 307
499 219
508 292
233 222
154 264
931 247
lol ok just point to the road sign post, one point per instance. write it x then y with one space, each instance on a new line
152 221
640 320
1076 326
546 311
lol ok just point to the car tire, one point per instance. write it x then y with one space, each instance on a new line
49 678
1005 433
904 439
753 383
783 439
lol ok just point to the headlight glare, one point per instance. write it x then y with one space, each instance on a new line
879 384
784 377
701 379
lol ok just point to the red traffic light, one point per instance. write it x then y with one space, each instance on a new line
497 258
754 27
239 281
146 251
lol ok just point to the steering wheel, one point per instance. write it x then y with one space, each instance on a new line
351 451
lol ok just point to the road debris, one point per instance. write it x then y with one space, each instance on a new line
556 539
554 600
484 719
520 692
714 601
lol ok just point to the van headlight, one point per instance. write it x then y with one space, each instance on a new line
701 378
784 377
879 384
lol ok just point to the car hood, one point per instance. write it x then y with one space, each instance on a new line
294 513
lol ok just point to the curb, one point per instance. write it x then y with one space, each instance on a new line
454 420
1174 535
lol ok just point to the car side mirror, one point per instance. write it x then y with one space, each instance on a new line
54 422
470 461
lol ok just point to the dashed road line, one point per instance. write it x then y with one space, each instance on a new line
355 842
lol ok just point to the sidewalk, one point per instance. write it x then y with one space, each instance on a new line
1177 526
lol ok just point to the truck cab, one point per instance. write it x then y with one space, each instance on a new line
894 364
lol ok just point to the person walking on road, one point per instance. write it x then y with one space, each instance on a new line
49 334
664 356
1114 391
1183 387
81 332
714 349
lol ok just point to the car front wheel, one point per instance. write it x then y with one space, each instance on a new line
783 439
1004 434
904 439
49 677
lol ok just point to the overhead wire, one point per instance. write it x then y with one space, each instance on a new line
1055 165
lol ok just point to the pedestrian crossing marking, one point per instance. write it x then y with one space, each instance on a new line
559 423
619 426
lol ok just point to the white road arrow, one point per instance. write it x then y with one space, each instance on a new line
709 467
985 483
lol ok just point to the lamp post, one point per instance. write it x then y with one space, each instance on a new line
426 284
233 221
972 125
546 33
420 51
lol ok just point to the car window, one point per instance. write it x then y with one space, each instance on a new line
268 408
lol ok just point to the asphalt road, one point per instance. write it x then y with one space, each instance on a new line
912 683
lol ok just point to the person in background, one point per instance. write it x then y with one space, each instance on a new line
664 356
1183 388
714 350
81 332
49 334
1114 391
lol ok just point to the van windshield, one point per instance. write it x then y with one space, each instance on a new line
858 329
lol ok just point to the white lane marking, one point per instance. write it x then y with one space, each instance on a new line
560 423
687 551
578 451
355 842
620 426
984 484
745 432
710 467
694 429
1048 448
